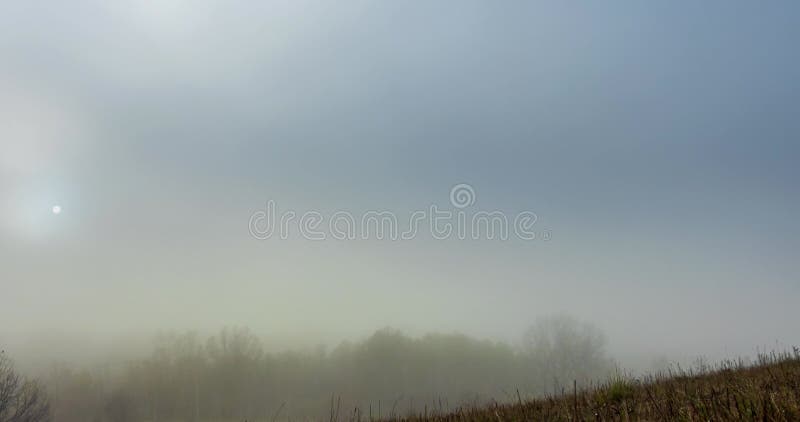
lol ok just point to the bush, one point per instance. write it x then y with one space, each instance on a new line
21 400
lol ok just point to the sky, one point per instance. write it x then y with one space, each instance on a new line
656 144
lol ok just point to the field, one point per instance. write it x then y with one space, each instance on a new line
765 390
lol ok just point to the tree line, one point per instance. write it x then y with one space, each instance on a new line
229 376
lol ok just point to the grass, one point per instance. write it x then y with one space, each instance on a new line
765 390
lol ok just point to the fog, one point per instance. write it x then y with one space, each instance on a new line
654 144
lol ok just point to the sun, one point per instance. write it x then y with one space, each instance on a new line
56 209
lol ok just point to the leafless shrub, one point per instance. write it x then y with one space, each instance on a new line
21 400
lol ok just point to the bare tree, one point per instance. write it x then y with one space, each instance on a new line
565 349
21 400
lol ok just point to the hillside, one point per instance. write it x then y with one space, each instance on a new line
768 389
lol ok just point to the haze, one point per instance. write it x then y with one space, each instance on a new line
657 145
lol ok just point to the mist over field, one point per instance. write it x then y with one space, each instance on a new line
263 209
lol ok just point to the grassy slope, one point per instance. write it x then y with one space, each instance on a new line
766 390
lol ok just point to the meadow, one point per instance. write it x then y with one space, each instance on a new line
765 390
